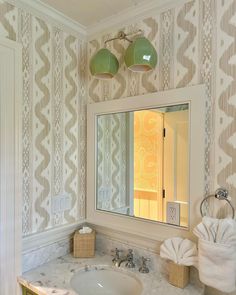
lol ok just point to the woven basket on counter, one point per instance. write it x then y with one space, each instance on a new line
178 275
84 245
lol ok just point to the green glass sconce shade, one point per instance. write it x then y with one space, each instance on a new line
141 55
104 64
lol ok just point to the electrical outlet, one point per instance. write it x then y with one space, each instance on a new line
61 203
173 213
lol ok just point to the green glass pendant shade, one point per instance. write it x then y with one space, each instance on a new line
141 55
104 64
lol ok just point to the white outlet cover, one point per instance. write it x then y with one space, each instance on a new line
173 213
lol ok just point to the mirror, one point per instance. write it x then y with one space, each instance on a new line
142 163
121 207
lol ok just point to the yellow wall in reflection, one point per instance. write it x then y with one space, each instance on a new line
148 151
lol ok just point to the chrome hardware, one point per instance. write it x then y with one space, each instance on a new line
220 194
116 260
144 268
129 259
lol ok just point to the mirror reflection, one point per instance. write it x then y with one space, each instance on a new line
143 164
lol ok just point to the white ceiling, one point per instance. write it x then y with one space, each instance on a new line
90 12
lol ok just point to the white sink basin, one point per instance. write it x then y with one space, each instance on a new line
105 282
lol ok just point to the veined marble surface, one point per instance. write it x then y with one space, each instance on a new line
42 255
54 277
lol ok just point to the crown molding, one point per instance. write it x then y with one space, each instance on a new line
115 21
131 15
48 13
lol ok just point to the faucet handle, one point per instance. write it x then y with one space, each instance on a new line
117 251
130 259
130 255
116 255
144 268
130 252
144 260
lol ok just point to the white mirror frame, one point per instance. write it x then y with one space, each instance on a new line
195 97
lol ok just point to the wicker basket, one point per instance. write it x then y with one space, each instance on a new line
84 245
178 275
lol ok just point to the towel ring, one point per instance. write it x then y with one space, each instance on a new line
220 194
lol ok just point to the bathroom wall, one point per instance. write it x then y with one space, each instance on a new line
53 117
112 162
196 44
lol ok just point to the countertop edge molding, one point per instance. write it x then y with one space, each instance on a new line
51 236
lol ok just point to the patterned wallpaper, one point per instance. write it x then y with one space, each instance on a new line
53 105
196 43
112 162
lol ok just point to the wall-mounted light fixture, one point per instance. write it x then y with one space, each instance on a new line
140 56
104 64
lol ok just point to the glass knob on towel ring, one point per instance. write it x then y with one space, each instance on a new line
220 194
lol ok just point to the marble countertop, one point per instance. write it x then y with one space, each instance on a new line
54 277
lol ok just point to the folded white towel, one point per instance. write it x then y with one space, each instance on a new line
217 265
180 251
226 232
216 230
217 253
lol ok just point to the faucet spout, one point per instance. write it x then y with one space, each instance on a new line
121 261
129 260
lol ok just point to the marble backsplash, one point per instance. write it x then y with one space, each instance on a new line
106 245
41 255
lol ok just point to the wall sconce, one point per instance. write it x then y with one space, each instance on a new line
140 56
104 64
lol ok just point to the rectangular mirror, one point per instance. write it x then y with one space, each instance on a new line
143 163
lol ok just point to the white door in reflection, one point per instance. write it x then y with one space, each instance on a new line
148 164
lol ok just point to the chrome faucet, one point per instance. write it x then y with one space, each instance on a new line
129 260
116 260
144 268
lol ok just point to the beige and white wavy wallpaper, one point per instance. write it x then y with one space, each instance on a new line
196 43
53 117
113 162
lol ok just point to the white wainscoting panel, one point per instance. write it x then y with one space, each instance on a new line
10 188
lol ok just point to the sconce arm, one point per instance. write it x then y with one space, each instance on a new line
123 36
